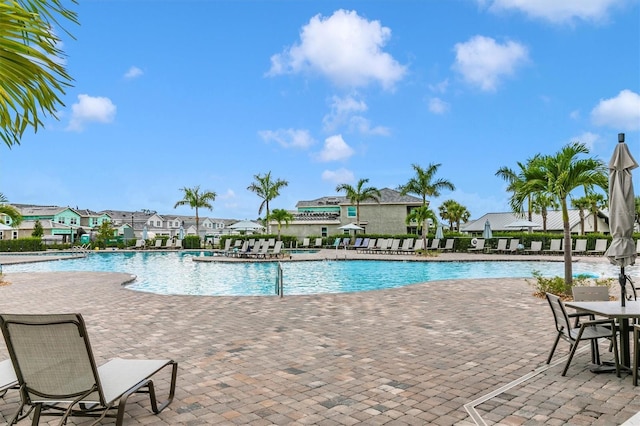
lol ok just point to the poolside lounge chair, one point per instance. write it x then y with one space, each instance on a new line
58 374
407 245
261 249
395 246
363 244
178 244
591 330
371 244
139 244
419 245
502 246
536 248
356 245
336 243
600 248
227 247
581 246
513 246
8 379
555 246
272 242
277 250
158 244
479 247
448 245
435 244
305 243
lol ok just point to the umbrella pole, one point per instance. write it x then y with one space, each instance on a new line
623 286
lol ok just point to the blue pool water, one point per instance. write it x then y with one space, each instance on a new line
177 273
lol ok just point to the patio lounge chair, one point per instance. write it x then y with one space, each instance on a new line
536 248
555 246
318 243
448 245
8 379
139 244
58 374
158 244
277 250
591 330
305 243
513 246
581 246
435 244
502 246
479 247
407 245
600 248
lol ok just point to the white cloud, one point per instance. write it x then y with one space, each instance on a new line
345 48
288 138
90 109
335 149
338 176
438 106
227 195
588 139
133 72
483 62
344 113
621 112
440 87
575 114
556 11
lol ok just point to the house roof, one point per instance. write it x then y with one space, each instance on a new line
387 196
499 221
41 210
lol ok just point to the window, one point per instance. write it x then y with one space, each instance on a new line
61 220
324 232
158 223
1 235
352 211
15 235
73 221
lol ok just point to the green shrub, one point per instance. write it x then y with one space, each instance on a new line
556 285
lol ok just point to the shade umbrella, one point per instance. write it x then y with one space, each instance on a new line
622 211
351 227
145 232
181 233
523 223
246 225
439 233
487 233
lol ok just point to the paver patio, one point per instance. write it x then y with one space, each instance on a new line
414 355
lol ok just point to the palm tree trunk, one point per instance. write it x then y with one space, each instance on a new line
568 271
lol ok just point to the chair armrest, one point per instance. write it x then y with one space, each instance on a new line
611 322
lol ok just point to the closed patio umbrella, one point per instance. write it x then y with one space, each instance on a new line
622 251
145 231
487 233
439 233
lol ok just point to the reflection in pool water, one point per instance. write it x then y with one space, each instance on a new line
177 273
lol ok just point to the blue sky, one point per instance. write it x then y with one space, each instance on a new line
169 94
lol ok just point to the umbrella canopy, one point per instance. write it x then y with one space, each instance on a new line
622 211
181 232
487 233
246 225
523 223
145 232
351 227
439 232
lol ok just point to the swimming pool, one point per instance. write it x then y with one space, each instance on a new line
177 273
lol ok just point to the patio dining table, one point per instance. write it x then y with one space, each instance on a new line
614 310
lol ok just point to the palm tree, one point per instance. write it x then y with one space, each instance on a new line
515 181
558 175
32 74
420 215
280 216
359 193
423 185
596 202
540 204
267 189
581 204
196 199
8 210
454 212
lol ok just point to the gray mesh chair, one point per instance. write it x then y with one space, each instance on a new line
8 377
57 373
590 330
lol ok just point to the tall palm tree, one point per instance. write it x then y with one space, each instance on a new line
267 189
196 200
515 181
581 204
421 215
596 202
280 216
560 174
9 210
454 212
359 193
424 185
33 76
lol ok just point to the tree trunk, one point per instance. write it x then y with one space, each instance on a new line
568 267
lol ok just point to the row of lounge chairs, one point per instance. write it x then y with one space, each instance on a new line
391 245
168 244
261 249
555 247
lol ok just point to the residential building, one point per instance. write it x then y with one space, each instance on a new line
500 222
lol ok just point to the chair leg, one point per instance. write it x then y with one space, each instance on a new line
574 347
636 356
553 349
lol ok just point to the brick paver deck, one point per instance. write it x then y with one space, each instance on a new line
405 356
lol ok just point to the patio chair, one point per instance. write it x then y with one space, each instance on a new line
435 244
448 245
277 250
479 246
502 246
536 248
395 246
636 353
590 330
158 244
581 246
318 243
513 246
600 248
8 379
555 246
419 245
407 245
58 374
305 243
